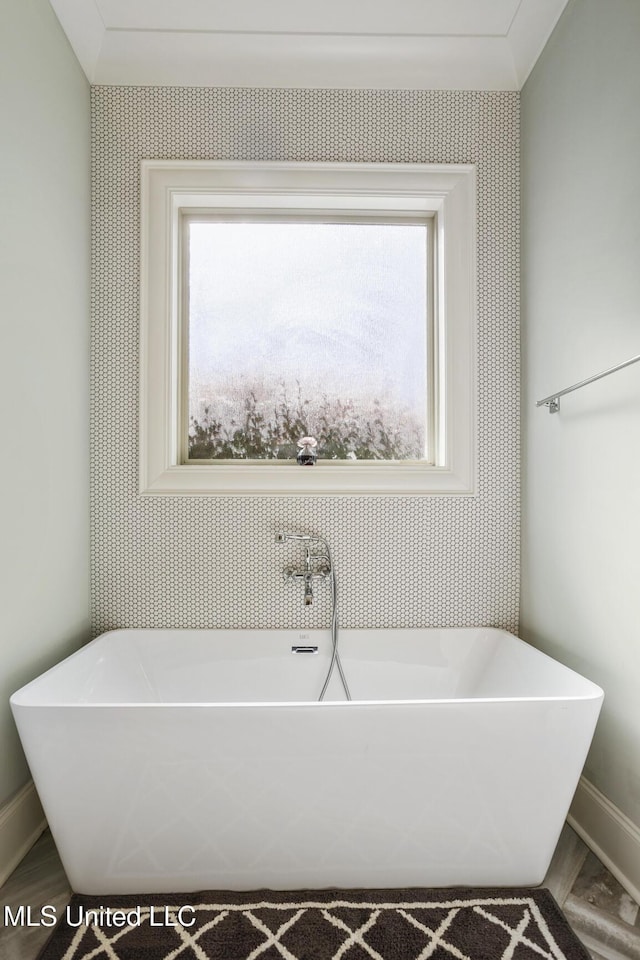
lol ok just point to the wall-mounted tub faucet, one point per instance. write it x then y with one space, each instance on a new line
318 566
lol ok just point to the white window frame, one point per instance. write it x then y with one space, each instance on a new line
446 192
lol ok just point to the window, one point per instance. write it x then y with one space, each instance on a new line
284 299
297 327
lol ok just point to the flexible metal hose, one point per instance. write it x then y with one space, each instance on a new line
335 656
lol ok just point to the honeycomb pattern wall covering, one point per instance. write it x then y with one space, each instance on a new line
212 561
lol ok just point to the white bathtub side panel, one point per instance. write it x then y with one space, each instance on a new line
155 799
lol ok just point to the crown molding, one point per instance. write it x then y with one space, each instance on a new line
85 30
120 53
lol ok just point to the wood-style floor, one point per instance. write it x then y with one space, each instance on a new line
600 911
603 916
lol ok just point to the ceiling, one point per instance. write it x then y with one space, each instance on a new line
380 44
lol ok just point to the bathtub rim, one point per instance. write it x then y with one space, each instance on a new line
18 699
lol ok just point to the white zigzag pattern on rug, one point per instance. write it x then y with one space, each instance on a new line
435 938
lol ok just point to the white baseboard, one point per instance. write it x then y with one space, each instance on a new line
614 838
21 822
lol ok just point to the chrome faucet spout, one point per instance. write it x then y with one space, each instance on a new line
308 590
308 577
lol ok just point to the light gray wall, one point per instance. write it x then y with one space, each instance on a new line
581 314
44 338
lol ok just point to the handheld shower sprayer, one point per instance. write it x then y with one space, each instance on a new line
282 537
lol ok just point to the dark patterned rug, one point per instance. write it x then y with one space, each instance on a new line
416 924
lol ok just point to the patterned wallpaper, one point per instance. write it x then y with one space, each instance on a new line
212 561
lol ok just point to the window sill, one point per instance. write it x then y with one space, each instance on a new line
324 479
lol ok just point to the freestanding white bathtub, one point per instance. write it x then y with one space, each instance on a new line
183 760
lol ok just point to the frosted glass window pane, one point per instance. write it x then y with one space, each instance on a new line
307 329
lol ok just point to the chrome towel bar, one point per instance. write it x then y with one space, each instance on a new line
553 400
